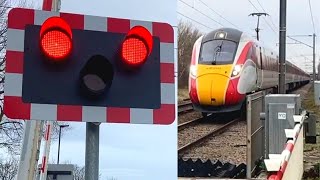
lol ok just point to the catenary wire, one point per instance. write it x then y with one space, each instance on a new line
201 12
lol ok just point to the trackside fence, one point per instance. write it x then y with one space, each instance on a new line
255 131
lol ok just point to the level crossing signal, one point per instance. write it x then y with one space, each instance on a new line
72 67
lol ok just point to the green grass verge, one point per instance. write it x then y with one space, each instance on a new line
312 149
309 105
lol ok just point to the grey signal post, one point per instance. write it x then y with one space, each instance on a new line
60 126
282 46
92 138
314 57
92 151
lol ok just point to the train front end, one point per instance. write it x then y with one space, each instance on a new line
216 64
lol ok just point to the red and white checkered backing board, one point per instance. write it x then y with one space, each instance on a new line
15 108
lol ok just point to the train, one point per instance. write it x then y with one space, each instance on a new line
318 75
227 64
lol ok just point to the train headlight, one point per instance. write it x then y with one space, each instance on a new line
236 70
221 35
193 70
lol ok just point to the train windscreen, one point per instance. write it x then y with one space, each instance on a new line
217 52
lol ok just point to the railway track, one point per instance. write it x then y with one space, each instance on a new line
185 107
188 123
218 129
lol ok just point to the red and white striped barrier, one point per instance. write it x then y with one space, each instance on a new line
286 153
45 157
278 163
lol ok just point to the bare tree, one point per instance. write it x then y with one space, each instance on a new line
8 169
11 131
79 173
3 43
187 35
10 136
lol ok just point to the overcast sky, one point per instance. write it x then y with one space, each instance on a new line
234 13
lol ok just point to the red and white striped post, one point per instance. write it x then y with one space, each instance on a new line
48 5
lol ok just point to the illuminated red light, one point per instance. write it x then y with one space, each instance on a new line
137 46
56 39
56 44
134 51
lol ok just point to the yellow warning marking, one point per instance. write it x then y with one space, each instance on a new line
212 83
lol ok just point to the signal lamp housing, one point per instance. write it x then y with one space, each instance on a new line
136 46
56 39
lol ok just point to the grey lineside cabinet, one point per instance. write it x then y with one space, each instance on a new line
59 172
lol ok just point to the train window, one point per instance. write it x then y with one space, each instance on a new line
275 65
217 52
266 63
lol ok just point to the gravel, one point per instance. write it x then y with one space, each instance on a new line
229 146
194 132
189 116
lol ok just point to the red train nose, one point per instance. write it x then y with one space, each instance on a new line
193 91
232 95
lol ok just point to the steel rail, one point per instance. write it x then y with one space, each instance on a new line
188 123
184 108
204 137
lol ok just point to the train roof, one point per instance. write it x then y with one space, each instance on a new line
229 34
